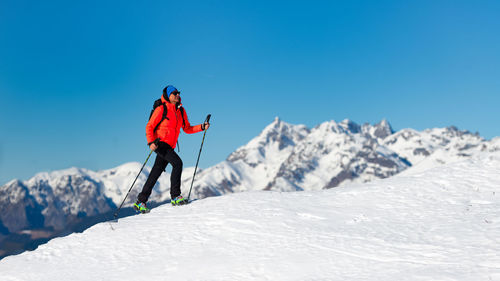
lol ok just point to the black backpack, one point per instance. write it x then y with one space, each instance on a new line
157 103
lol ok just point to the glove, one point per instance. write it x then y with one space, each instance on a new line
205 126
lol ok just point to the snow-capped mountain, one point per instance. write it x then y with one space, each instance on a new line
60 202
335 153
435 147
283 157
253 166
290 157
55 199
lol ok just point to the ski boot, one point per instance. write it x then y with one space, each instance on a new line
141 207
178 201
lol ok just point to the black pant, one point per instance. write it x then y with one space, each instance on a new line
165 155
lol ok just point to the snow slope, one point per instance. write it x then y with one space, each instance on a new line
441 224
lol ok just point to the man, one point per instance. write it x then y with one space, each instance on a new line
162 134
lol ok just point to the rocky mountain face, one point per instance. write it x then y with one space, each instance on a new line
61 202
283 157
287 157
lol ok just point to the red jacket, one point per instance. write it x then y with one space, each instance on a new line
169 129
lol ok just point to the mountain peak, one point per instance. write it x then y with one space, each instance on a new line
383 129
350 126
279 126
278 133
13 183
276 124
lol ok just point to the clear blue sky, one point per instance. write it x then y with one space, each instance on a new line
78 78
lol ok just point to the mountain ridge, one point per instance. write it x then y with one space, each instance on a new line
283 157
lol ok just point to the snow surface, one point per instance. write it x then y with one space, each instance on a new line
441 224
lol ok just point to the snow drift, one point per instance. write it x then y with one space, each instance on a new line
441 224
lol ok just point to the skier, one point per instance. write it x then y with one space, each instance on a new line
162 132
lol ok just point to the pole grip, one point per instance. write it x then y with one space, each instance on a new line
208 118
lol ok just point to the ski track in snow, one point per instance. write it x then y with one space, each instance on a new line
442 224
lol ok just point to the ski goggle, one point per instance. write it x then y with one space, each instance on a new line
175 93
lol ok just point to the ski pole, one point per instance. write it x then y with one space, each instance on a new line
117 210
206 121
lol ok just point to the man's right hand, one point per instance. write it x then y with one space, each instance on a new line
153 146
